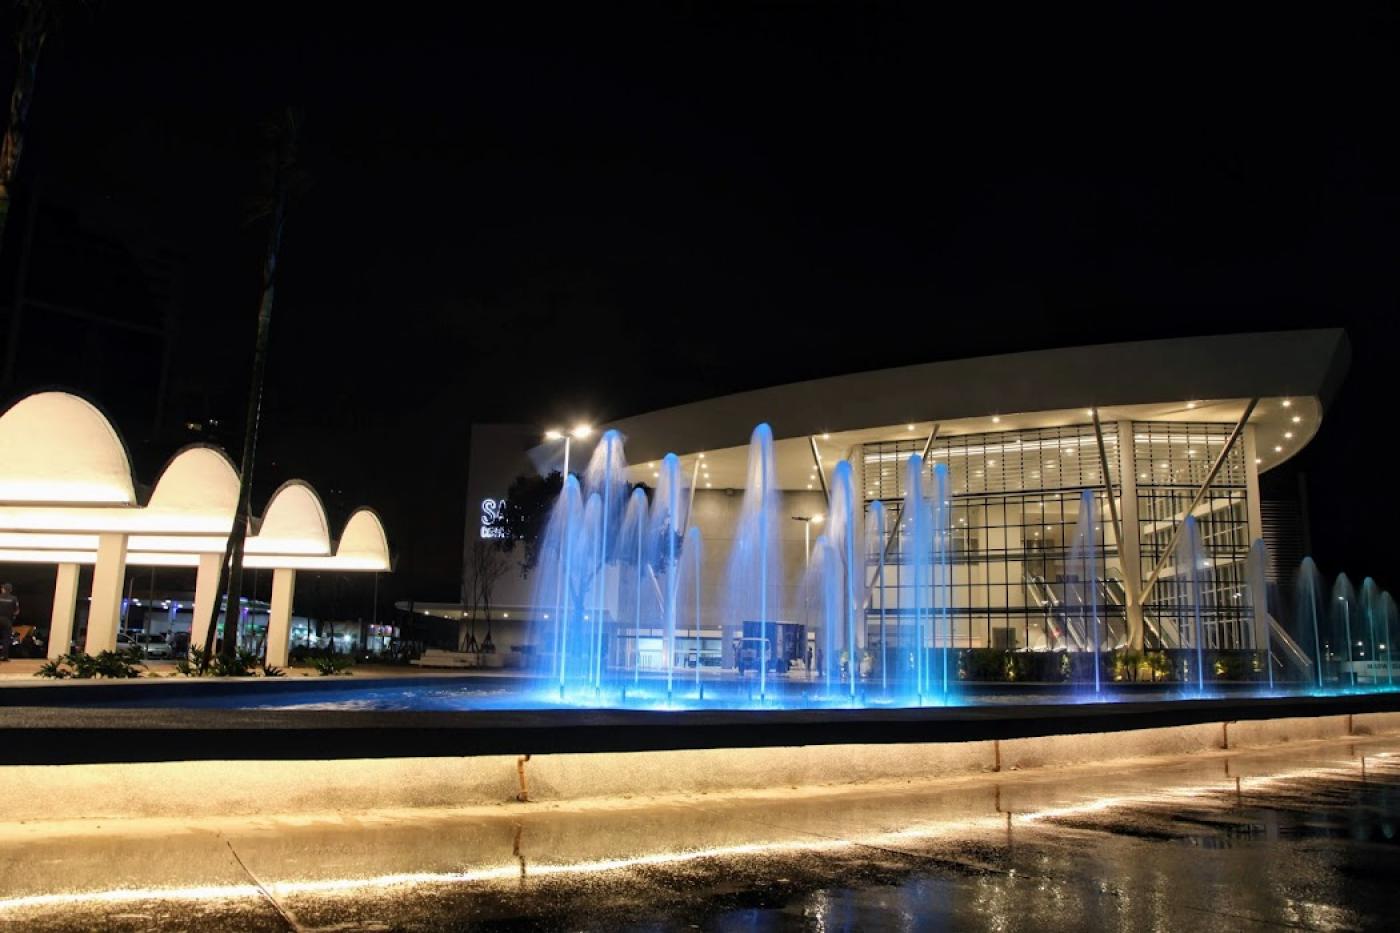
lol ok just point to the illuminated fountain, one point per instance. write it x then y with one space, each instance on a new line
1083 583
1192 566
754 580
620 578
1310 614
1342 607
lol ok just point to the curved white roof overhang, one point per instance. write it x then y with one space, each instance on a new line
1295 374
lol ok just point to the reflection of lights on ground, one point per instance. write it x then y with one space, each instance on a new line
1001 821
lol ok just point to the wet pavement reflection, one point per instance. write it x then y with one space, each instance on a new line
1302 836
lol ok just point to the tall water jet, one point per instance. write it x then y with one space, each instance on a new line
842 533
587 567
1374 614
1191 566
1309 611
826 593
554 566
1343 599
606 478
1257 574
1392 629
916 555
875 544
631 551
667 520
941 572
755 564
691 583
1084 578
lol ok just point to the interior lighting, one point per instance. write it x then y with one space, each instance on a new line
1288 435
1278 448
1297 418
1287 403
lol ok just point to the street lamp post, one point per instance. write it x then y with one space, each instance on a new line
580 431
807 522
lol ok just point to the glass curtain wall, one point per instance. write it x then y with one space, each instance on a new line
1173 460
1014 506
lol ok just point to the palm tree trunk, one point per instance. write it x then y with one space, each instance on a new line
29 42
233 553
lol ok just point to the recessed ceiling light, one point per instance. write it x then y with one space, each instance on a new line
996 419
809 485
1257 461
826 437
1190 404
1288 435
1297 418
1278 449
1287 403
909 426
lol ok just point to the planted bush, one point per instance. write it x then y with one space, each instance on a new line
106 665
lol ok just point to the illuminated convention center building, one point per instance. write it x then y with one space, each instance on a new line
883 531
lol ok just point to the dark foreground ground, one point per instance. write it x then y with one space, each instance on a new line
1303 836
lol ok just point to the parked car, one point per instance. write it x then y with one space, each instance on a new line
154 647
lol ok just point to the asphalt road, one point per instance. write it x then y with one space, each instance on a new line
1303 836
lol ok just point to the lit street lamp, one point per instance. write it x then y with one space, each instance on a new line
580 431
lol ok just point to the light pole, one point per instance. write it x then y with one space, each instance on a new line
580 431
807 522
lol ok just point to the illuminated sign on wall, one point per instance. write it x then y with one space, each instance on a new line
492 511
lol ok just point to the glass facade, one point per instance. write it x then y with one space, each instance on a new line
1173 460
1015 578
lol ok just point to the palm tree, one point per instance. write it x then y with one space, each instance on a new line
284 178
38 19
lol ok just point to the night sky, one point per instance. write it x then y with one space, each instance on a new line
591 212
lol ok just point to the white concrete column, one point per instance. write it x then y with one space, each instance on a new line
65 602
279 617
206 596
1130 546
105 609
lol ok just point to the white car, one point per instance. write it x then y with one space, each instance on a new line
154 647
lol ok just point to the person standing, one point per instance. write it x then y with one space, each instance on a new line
9 608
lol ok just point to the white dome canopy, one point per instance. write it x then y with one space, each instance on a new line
294 522
57 448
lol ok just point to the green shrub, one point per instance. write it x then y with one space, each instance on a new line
107 665
242 664
330 665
